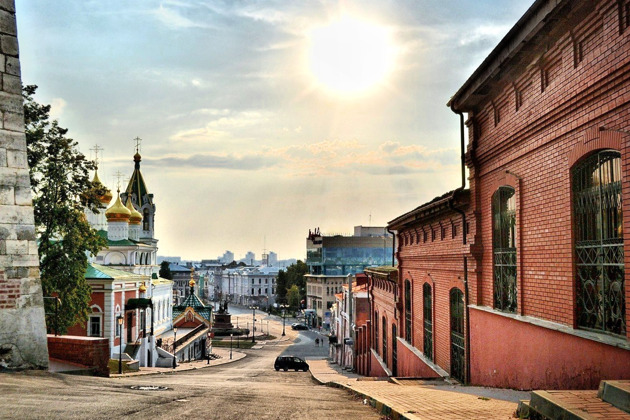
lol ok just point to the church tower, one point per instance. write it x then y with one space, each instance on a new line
142 201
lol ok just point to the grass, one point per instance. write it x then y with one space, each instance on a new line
113 366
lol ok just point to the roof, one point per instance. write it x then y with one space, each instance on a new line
178 268
124 242
192 301
136 184
439 205
533 28
97 271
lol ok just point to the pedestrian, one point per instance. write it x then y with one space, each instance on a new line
317 342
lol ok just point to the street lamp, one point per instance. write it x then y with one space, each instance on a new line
120 323
284 307
253 308
231 335
174 347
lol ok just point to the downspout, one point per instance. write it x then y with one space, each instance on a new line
369 330
464 235
393 244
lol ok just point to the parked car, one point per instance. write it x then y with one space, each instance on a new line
290 362
299 326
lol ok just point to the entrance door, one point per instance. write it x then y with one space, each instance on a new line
129 326
394 351
457 335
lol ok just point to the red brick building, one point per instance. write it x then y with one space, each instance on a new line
539 278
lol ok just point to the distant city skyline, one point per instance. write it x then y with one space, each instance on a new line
260 121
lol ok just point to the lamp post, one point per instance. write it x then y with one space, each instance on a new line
253 308
231 335
119 318
174 347
284 308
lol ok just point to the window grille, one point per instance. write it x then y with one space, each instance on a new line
408 327
384 324
598 229
457 335
504 248
427 306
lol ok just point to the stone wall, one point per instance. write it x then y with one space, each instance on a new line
22 325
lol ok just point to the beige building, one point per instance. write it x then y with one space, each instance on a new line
320 296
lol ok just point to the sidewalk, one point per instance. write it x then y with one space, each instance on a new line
417 399
183 366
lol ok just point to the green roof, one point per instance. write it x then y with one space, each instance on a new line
97 271
192 301
123 242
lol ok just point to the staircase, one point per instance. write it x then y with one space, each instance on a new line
611 401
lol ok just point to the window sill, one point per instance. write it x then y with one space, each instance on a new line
620 342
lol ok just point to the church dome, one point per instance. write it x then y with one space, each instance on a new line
118 212
135 217
107 197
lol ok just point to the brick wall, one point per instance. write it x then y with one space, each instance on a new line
437 259
90 352
22 325
535 119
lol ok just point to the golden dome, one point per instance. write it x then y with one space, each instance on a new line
107 197
117 212
136 217
191 283
142 288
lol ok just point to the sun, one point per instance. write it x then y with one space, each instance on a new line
350 56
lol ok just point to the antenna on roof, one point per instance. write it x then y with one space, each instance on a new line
370 223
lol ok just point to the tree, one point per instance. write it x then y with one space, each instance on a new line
294 276
165 271
62 190
293 296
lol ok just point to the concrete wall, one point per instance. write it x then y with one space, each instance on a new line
529 356
22 324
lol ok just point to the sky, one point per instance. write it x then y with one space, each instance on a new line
261 120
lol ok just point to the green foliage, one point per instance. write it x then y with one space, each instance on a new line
293 296
294 276
165 271
61 191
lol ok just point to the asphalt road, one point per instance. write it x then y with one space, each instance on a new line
247 389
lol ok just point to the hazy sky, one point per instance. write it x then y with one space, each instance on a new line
261 120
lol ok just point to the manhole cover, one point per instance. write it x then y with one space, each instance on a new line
148 388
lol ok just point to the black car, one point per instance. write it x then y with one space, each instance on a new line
290 362
299 327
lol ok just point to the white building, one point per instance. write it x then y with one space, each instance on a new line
250 285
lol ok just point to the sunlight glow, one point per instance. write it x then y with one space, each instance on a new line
350 56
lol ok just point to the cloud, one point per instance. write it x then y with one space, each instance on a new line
57 106
251 162
484 34
173 19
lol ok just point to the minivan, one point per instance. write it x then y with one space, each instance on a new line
290 362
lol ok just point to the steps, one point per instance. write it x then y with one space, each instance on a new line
611 401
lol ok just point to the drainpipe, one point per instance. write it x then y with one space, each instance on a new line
393 244
464 235
369 330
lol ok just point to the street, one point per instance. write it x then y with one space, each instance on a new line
246 389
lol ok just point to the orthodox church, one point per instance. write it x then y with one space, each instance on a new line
131 305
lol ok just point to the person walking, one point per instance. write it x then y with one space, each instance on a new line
317 342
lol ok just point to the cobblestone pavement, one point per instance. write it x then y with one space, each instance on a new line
414 401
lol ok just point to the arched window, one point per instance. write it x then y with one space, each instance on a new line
146 225
598 229
427 312
384 324
504 248
408 326
376 331
458 344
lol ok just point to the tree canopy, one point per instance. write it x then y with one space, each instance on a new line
165 271
293 276
62 190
